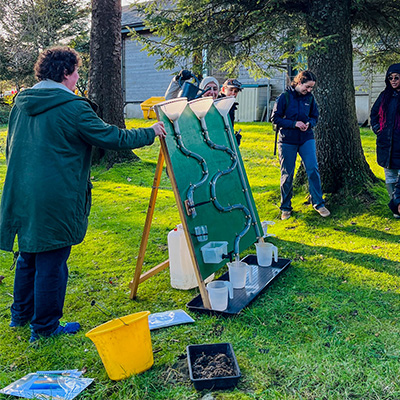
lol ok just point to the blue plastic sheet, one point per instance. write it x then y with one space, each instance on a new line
57 385
168 318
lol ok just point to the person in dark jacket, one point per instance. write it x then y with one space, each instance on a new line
385 122
47 191
232 87
296 114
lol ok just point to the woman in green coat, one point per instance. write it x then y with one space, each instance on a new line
47 192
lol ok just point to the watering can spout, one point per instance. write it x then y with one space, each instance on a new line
202 92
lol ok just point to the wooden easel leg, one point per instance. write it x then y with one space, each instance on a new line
138 276
150 211
200 281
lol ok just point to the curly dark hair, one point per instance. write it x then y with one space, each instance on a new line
56 62
303 77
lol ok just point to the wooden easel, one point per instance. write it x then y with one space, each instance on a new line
138 276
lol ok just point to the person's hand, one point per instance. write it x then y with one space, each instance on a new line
398 208
184 75
302 126
159 130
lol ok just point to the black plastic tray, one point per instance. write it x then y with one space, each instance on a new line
262 277
223 382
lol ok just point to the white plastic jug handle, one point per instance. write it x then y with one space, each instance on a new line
230 288
275 249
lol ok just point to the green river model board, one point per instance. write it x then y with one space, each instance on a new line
214 192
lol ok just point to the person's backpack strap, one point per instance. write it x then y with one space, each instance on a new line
287 100
275 126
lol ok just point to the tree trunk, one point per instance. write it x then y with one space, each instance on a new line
105 87
341 158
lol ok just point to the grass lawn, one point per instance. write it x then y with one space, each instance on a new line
328 328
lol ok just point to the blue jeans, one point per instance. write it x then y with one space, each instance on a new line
287 159
391 175
39 289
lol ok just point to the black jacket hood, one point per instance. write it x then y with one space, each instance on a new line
394 68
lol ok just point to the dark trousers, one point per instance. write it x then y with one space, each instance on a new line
39 289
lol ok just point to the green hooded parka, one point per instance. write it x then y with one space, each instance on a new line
47 191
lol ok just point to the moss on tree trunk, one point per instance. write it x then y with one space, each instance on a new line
105 87
342 164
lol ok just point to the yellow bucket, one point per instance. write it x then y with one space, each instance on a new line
124 347
148 107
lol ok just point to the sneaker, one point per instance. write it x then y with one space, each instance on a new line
69 328
323 211
396 216
285 215
14 324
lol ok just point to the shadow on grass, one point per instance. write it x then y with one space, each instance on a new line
300 252
368 233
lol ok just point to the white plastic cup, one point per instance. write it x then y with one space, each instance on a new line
265 252
238 274
218 292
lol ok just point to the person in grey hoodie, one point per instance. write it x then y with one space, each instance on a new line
47 191
208 87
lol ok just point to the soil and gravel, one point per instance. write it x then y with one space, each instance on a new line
212 366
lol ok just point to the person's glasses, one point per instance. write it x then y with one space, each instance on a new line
394 78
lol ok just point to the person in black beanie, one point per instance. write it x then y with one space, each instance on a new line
385 123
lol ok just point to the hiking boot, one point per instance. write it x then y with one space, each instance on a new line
69 328
285 215
323 211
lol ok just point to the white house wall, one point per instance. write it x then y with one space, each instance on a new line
141 79
367 89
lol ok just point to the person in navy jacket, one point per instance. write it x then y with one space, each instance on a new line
296 114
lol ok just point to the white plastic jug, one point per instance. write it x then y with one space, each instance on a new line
218 292
181 268
238 273
265 252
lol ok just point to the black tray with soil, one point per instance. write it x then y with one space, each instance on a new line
212 366
262 277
